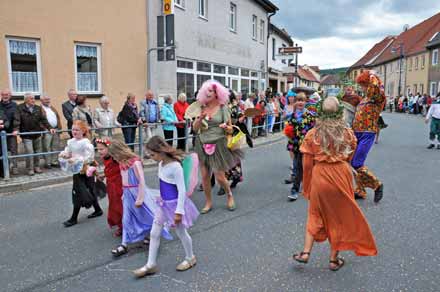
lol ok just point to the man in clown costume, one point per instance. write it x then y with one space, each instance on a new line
365 125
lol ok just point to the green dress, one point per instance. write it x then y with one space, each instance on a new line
223 158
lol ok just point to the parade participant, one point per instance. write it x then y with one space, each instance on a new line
365 126
350 101
434 115
175 208
288 111
112 173
138 200
328 185
211 142
77 156
298 125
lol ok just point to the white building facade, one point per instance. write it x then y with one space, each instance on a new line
278 38
222 40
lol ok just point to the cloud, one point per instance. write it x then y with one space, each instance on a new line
336 33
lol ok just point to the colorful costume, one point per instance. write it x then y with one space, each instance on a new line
296 129
333 213
365 127
114 191
137 222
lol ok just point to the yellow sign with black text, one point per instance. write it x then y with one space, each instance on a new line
168 7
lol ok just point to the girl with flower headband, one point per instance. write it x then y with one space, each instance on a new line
112 173
138 200
211 142
76 158
175 208
333 213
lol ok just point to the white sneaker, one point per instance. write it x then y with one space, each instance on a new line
187 264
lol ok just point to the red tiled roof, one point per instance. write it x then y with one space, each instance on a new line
315 68
306 75
414 39
330 79
376 50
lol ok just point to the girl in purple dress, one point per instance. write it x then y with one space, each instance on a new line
175 208
138 200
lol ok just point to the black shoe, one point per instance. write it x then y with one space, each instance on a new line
95 214
234 183
431 146
378 194
69 223
288 181
358 197
221 192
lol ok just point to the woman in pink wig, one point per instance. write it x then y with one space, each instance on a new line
211 142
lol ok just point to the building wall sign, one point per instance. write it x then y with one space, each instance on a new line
223 45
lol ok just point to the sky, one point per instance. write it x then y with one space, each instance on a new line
336 33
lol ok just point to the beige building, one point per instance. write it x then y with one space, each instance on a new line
96 47
417 73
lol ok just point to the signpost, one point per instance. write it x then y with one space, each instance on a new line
290 53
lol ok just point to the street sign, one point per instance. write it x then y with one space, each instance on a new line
168 7
290 50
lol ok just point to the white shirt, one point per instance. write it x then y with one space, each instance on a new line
51 116
248 104
172 173
80 149
434 111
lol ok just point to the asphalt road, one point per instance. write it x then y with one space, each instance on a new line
246 250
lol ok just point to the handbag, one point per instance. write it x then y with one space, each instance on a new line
235 141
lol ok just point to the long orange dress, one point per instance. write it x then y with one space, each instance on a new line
333 212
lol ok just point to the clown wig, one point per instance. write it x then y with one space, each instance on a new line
368 78
221 92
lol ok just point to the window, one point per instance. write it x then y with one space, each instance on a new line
416 65
254 74
185 83
415 88
245 72
233 17
219 69
202 9
274 42
185 64
204 67
244 87
410 64
283 60
87 59
221 79
434 57
180 3
254 85
433 89
254 27
423 61
24 66
201 79
421 88
262 31
233 71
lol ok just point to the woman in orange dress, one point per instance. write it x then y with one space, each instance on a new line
328 185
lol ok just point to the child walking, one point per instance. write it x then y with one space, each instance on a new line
112 173
301 121
76 157
434 115
175 208
137 200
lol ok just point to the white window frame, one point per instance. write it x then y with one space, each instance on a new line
179 3
38 57
233 17
262 30
203 15
434 61
254 27
99 60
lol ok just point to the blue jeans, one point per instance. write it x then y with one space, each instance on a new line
297 171
129 136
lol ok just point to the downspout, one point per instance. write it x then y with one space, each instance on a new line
267 49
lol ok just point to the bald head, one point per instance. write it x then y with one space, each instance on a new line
149 95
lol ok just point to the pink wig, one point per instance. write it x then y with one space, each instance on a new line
221 91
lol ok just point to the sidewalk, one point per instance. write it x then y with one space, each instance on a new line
54 176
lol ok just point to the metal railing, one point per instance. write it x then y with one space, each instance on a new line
6 157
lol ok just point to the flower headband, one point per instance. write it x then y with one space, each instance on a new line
106 142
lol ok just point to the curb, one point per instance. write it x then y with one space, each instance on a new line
25 186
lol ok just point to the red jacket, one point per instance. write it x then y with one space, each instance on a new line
180 109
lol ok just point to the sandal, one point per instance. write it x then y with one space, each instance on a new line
119 250
299 257
339 263
206 210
